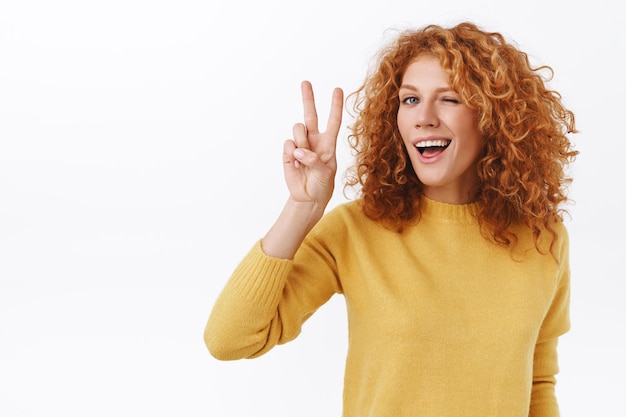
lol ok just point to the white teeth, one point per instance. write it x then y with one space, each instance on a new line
429 143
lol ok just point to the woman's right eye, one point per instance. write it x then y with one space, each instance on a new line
410 100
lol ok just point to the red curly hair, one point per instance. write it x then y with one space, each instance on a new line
521 174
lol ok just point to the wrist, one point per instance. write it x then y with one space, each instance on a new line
293 224
305 213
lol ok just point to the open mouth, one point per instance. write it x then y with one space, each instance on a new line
430 148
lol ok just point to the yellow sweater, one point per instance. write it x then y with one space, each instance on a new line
442 322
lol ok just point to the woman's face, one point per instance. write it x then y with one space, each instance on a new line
440 133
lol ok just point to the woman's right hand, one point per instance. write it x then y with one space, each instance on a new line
310 165
310 162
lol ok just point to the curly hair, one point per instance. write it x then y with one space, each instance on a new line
522 176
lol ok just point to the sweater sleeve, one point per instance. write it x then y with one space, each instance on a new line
242 322
266 301
543 401
556 322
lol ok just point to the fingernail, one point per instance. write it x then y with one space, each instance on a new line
298 153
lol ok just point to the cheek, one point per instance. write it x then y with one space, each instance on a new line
478 147
403 128
399 124
405 138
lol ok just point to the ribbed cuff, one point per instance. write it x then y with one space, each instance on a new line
261 278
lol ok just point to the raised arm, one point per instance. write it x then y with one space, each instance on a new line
310 165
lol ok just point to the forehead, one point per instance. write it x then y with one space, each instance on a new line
425 69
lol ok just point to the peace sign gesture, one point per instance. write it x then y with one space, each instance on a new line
310 162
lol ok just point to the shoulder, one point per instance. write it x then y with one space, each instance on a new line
553 239
349 209
344 217
556 234
562 238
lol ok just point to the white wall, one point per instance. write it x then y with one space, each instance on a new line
140 148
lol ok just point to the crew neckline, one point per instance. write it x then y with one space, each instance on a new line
447 212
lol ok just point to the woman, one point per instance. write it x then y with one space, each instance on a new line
453 260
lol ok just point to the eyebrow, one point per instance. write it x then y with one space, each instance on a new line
437 90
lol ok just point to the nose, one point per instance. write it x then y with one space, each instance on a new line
426 115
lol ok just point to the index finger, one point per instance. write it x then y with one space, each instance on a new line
308 103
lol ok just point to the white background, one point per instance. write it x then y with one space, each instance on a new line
140 146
